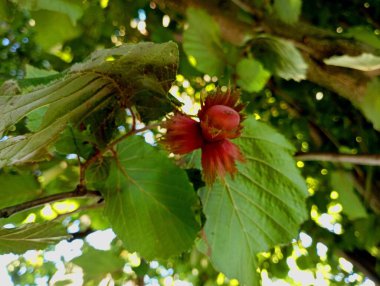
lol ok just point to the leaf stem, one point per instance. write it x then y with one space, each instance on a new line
367 159
132 132
79 192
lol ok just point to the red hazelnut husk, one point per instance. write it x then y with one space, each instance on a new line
183 134
218 158
220 120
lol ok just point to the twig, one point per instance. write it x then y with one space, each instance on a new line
86 164
301 112
77 193
247 8
80 235
99 204
133 118
364 261
368 159
81 175
132 132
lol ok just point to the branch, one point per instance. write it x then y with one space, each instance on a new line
364 261
132 132
316 43
359 182
77 193
368 159
248 8
371 198
81 235
348 83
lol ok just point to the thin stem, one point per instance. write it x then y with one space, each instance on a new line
79 192
368 184
133 118
86 164
130 133
81 175
368 159
300 112
247 8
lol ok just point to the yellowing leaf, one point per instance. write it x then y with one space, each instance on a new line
364 62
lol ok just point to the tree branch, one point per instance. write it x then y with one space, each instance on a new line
132 132
81 235
359 182
248 8
368 159
364 261
348 83
316 43
79 192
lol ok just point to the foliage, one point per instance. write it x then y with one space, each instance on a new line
240 207
85 93
148 201
288 10
31 236
203 44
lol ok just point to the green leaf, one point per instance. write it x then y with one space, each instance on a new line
70 8
97 217
148 201
202 43
5 9
34 119
53 28
29 84
63 282
96 264
114 77
288 11
262 206
31 236
33 72
365 35
364 62
73 141
370 103
97 173
280 57
18 188
252 76
60 178
353 207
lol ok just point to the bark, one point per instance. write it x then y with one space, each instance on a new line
365 262
79 192
369 159
315 43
